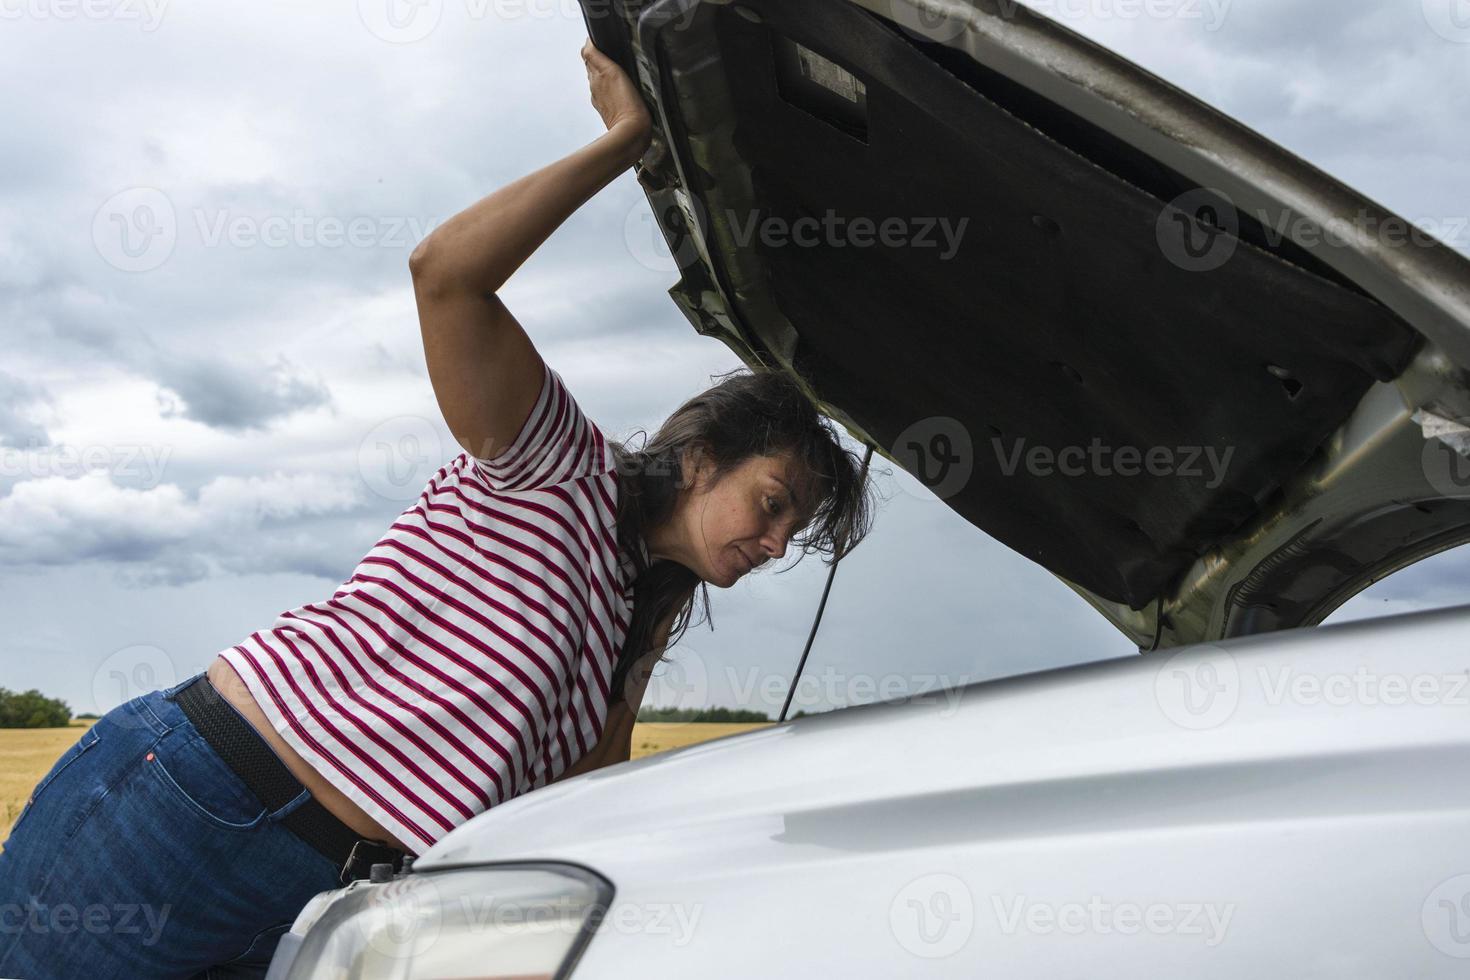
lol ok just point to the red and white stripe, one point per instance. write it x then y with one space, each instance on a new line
468 658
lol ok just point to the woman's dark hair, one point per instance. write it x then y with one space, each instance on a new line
748 414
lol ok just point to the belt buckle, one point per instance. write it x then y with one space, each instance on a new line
352 858
343 876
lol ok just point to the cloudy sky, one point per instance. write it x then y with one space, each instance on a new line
203 428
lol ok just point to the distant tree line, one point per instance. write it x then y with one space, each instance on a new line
32 709
726 716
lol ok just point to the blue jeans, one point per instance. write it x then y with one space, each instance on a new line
141 854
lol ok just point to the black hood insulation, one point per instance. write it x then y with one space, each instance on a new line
1055 324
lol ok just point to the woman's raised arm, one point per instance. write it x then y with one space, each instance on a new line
485 371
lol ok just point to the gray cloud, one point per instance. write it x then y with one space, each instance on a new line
236 396
17 397
164 535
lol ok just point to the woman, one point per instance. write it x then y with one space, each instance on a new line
496 639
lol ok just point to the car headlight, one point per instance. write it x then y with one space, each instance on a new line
523 921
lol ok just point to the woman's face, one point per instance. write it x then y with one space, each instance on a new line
721 530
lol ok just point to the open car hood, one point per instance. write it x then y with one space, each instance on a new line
1211 388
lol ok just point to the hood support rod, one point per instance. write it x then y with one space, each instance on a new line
817 620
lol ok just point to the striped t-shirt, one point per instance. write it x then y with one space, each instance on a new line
467 660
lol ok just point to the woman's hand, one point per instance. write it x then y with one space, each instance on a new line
617 101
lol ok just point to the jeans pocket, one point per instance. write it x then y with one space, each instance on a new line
189 770
88 739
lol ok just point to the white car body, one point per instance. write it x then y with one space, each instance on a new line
1288 806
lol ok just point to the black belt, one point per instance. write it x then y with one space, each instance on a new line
256 763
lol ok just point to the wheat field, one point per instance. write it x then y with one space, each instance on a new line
653 737
26 754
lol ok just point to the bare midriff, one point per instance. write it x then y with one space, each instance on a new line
234 690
